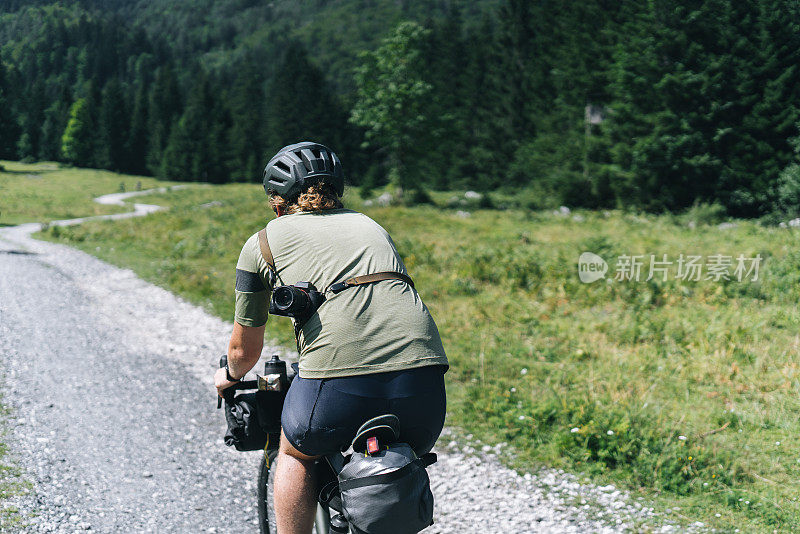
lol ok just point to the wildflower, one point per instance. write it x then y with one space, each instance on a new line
521 417
705 483
690 458
524 371
610 432
777 443
575 430
682 438
513 390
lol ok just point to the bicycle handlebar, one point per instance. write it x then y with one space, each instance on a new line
229 392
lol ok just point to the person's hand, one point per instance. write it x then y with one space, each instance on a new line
221 381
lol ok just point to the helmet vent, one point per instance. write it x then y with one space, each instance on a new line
282 166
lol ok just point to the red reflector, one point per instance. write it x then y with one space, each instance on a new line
372 445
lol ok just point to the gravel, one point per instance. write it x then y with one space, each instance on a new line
109 380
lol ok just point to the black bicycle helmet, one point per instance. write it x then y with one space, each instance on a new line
297 166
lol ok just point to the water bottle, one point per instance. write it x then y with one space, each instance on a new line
275 378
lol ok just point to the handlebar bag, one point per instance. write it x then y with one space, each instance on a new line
387 493
244 429
269 407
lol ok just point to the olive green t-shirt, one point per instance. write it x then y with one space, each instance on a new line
378 327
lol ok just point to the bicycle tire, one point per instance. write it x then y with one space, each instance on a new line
266 513
266 510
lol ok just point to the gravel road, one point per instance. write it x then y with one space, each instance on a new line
109 379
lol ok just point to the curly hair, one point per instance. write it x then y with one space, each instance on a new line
317 197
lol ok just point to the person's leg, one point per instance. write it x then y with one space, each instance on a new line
295 490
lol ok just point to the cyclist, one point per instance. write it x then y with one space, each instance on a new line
368 350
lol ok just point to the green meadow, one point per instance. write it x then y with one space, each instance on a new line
683 391
41 192
12 484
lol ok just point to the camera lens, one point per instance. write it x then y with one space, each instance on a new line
283 297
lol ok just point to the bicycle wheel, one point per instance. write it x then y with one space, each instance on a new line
266 510
266 506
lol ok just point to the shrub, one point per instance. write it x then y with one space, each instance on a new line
703 213
418 197
789 190
615 438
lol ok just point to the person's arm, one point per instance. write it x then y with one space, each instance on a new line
244 350
252 293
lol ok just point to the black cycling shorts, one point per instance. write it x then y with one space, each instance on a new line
321 416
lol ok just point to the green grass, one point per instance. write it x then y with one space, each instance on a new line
41 192
535 353
12 483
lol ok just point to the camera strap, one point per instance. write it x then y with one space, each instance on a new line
368 279
337 287
266 253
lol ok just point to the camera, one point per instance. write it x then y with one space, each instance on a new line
298 301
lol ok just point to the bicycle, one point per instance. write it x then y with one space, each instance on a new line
329 516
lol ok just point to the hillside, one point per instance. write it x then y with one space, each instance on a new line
218 33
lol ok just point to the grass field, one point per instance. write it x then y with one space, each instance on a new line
684 391
12 483
41 192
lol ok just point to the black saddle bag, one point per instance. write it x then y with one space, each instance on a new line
386 493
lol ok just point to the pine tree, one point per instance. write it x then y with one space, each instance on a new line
178 160
137 141
164 110
670 106
246 136
483 109
94 101
197 148
687 125
524 37
8 124
55 122
35 102
448 102
774 118
300 105
113 128
77 143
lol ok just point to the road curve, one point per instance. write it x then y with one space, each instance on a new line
109 382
